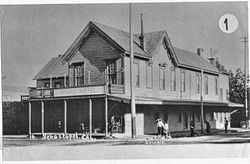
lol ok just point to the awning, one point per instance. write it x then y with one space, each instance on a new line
154 101
235 105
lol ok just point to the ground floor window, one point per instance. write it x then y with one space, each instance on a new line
211 116
185 120
180 116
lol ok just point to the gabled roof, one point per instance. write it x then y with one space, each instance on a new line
182 58
54 68
116 36
190 59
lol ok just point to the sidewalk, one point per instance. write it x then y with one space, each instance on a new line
218 136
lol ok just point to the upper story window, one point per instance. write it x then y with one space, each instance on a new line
57 84
112 74
183 79
149 75
79 73
206 84
221 94
227 94
216 85
173 79
197 81
47 85
162 77
137 74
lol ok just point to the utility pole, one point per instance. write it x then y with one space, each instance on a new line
245 41
132 102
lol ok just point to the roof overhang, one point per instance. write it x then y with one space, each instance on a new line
154 101
235 105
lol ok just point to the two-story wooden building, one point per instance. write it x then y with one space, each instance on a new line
90 83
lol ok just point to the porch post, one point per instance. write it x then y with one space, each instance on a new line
90 118
65 116
29 118
106 116
42 103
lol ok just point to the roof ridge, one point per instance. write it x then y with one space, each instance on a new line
94 22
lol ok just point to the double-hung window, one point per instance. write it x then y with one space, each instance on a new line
137 74
216 85
197 81
79 74
162 77
206 84
183 79
112 74
173 79
149 75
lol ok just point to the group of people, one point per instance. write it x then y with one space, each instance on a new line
162 129
192 127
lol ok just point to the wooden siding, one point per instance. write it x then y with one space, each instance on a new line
161 58
94 53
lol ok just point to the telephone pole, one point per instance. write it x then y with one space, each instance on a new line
245 41
132 102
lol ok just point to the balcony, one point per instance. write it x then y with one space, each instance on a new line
75 91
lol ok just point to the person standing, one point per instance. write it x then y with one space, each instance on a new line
166 130
207 127
192 128
226 124
159 125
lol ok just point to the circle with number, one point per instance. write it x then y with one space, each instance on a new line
228 23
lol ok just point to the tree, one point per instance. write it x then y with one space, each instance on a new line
236 87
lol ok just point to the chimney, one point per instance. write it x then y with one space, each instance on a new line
141 37
199 51
211 60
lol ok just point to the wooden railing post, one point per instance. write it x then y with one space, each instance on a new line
42 111
29 118
65 116
90 118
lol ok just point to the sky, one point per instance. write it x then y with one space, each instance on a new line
33 34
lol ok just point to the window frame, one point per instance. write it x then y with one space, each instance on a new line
197 81
179 117
206 84
148 65
78 80
221 94
216 82
112 74
137 76
183 81
172 80
227 94
162 87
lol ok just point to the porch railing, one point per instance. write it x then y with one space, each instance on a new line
75 91
41 92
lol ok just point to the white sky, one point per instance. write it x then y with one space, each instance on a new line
33 34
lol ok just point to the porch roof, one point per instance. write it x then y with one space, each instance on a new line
231 104
155 101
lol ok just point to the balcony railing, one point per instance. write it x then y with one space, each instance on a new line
75 91
41 92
